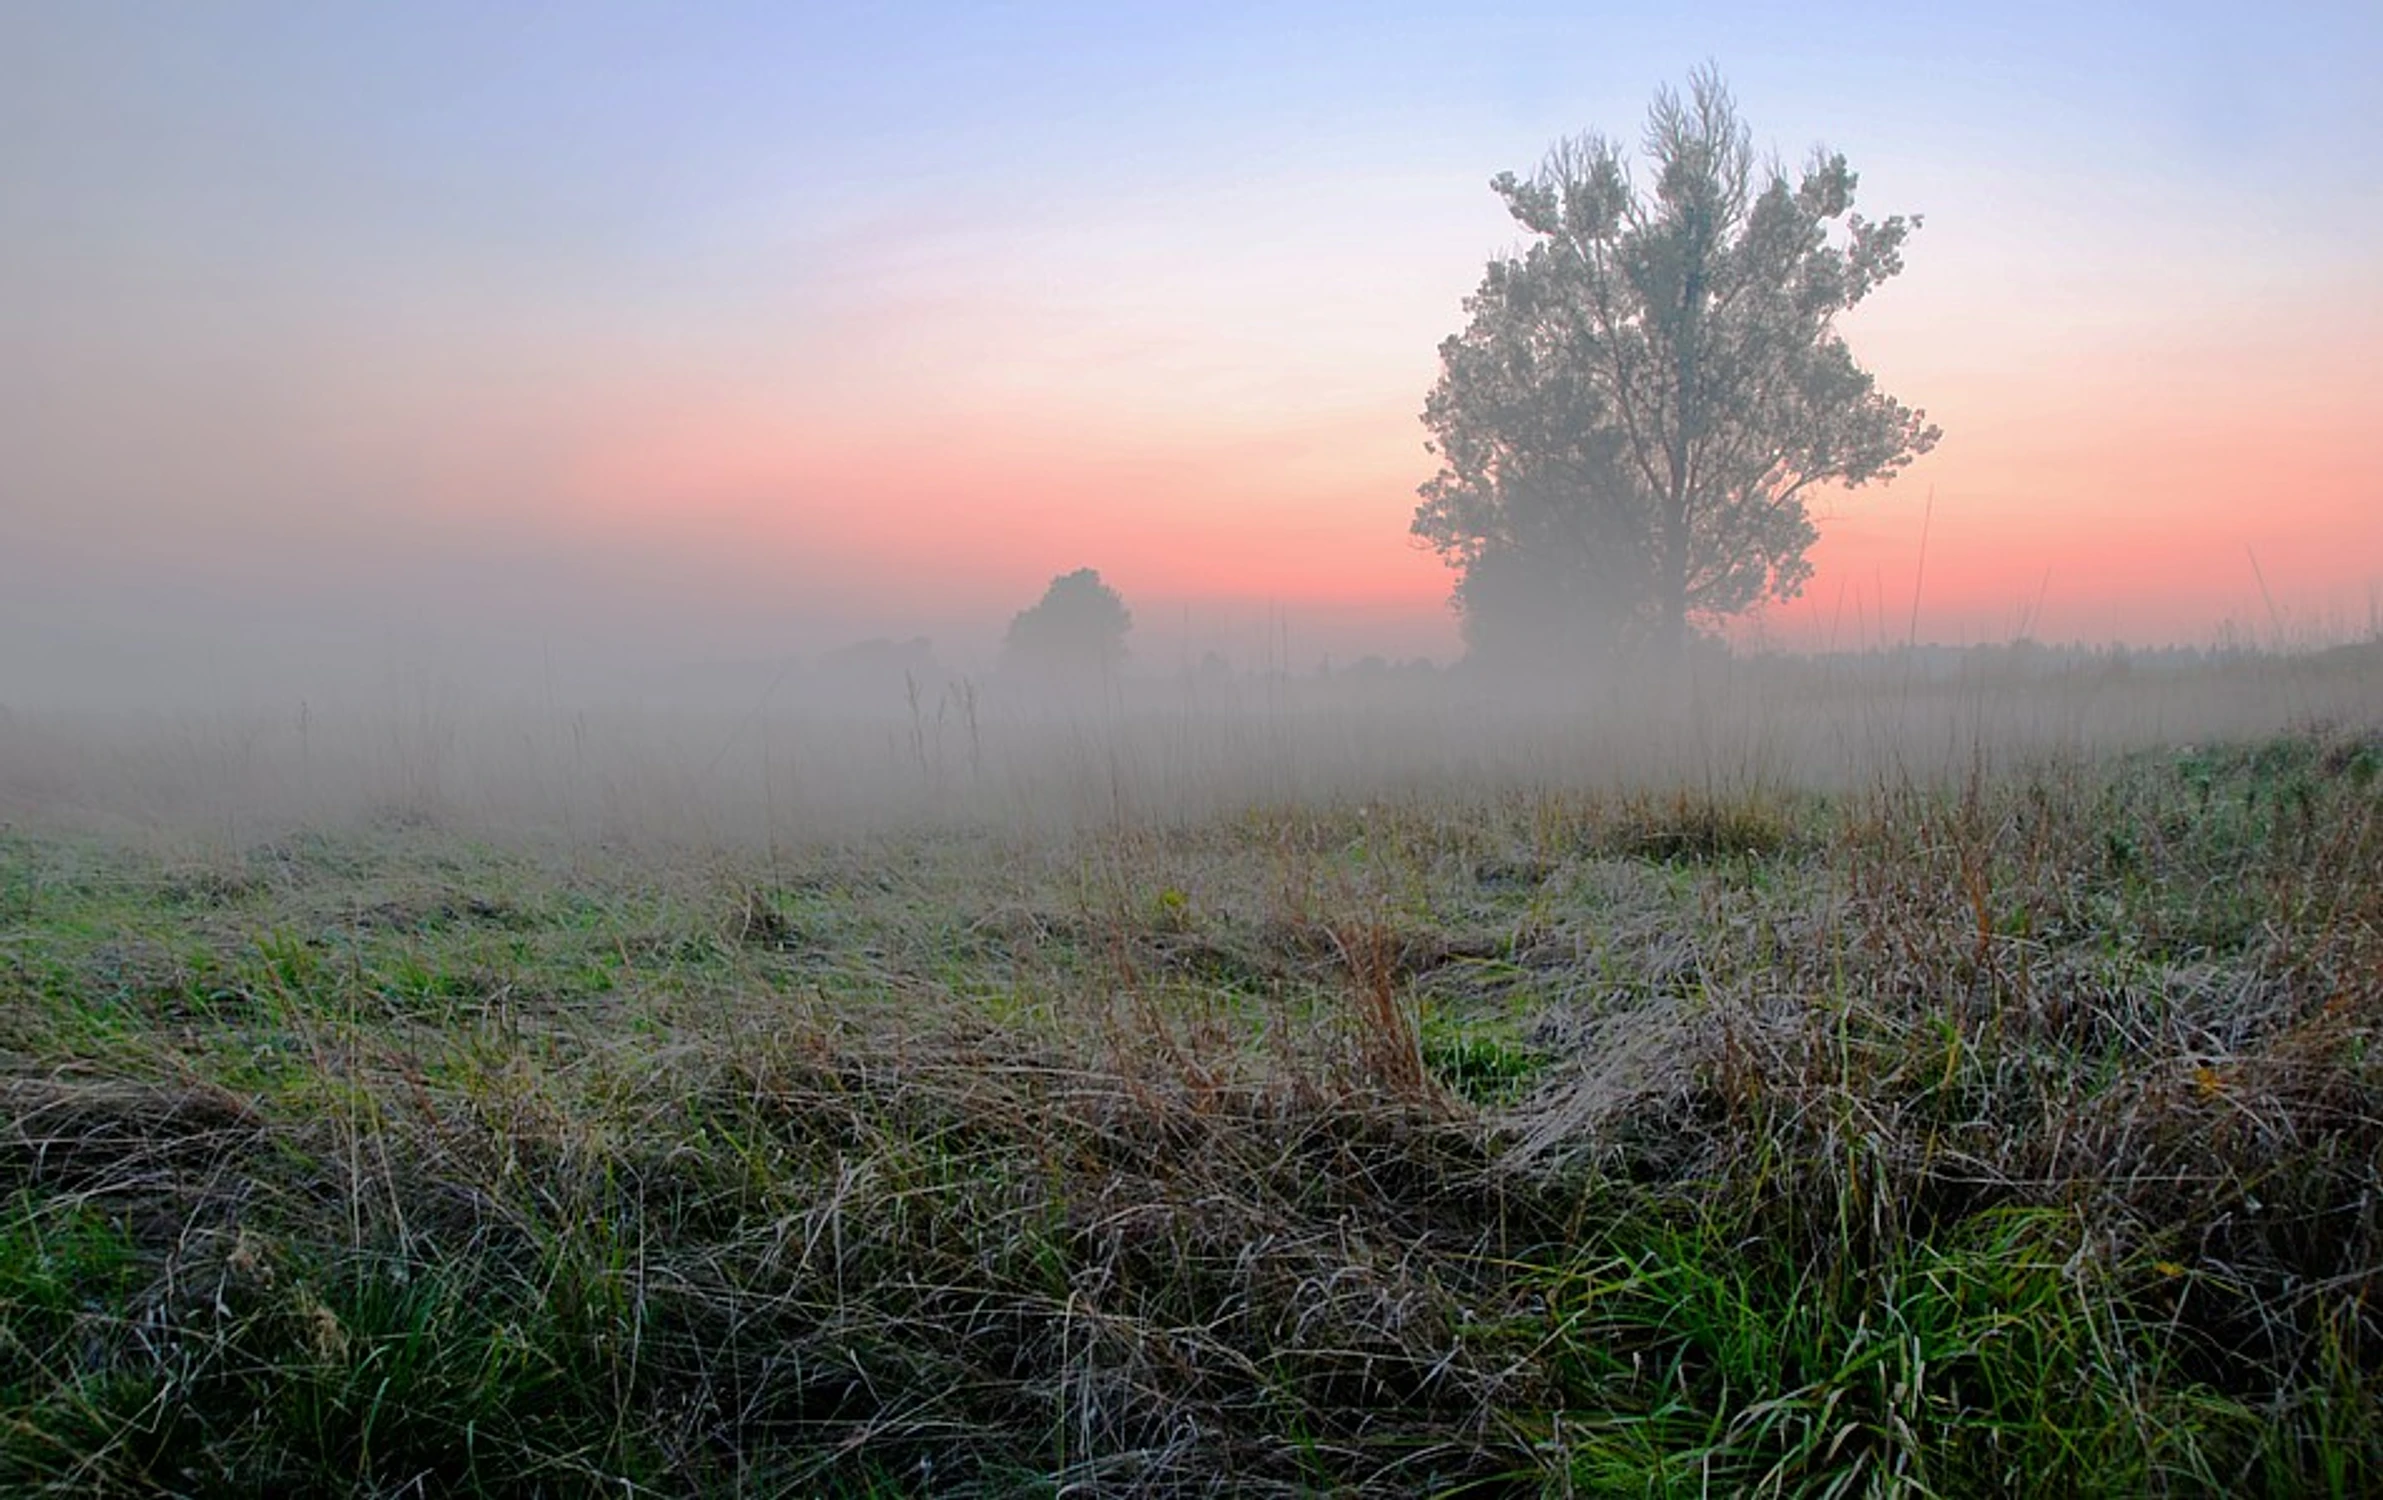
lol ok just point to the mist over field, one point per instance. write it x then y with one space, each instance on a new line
885 742
1253 750
555 356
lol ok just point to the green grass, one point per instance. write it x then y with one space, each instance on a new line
2018 1136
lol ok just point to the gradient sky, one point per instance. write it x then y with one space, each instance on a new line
335 332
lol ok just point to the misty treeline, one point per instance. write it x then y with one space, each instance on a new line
1640 404
882 676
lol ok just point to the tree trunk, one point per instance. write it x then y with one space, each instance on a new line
1671 621
1671 632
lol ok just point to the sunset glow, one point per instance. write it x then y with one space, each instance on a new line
769 334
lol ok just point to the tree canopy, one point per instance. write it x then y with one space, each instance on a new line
1642 398
1077 631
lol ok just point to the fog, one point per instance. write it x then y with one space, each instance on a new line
883 741
589 425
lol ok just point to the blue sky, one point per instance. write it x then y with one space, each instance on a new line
805 323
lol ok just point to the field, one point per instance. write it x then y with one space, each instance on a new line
1984 1098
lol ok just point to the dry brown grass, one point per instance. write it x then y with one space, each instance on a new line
2015 1132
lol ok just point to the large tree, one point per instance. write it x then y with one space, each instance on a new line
1643 396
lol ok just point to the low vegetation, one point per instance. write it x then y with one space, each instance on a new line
2015 1133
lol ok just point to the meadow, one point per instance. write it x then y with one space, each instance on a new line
1795 1081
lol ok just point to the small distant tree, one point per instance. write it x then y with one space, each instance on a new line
1631 419
1077 632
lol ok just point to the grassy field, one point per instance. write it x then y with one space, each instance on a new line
2013 1131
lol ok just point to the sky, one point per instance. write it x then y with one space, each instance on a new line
503 333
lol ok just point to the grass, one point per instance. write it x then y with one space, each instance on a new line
2012 1134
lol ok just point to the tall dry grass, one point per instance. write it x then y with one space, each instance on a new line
1260 1104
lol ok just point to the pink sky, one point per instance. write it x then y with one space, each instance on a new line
2098 481
599 332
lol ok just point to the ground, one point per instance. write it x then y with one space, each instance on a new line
2001 1133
